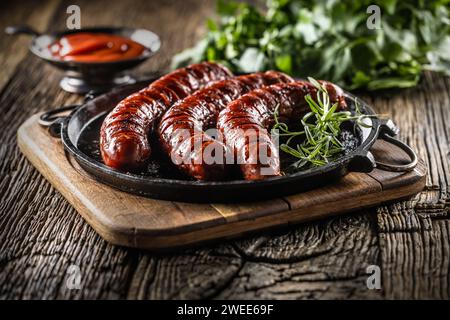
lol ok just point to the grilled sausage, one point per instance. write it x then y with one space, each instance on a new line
182 127
252 114
124 133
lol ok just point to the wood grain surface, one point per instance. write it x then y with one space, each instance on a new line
42 236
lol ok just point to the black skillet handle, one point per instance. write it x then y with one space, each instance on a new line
362 162
23 29
365 161
53 119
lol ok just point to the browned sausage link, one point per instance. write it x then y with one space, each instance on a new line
182 127
124 134
245 123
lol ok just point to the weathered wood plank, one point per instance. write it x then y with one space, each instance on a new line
313 261
422 114
194 274
413 246
414 254
321 260
13 49
43 236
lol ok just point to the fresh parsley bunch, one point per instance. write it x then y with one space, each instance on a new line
330 40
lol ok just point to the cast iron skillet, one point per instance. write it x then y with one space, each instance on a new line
83 124
82 77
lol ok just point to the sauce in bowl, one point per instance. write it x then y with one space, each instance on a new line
95 47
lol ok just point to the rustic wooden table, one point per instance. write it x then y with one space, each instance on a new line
42 238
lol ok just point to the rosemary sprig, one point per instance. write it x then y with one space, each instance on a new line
321 129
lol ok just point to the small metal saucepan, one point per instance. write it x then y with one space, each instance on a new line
84 121
82 77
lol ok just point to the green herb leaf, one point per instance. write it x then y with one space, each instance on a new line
252 60
330 40
321 129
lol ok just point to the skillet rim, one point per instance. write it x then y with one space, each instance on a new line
96 166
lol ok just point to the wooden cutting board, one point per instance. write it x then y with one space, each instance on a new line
134 221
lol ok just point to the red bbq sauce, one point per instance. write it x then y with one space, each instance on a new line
95 47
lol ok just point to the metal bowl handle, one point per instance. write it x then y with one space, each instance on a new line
365 161
24 29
